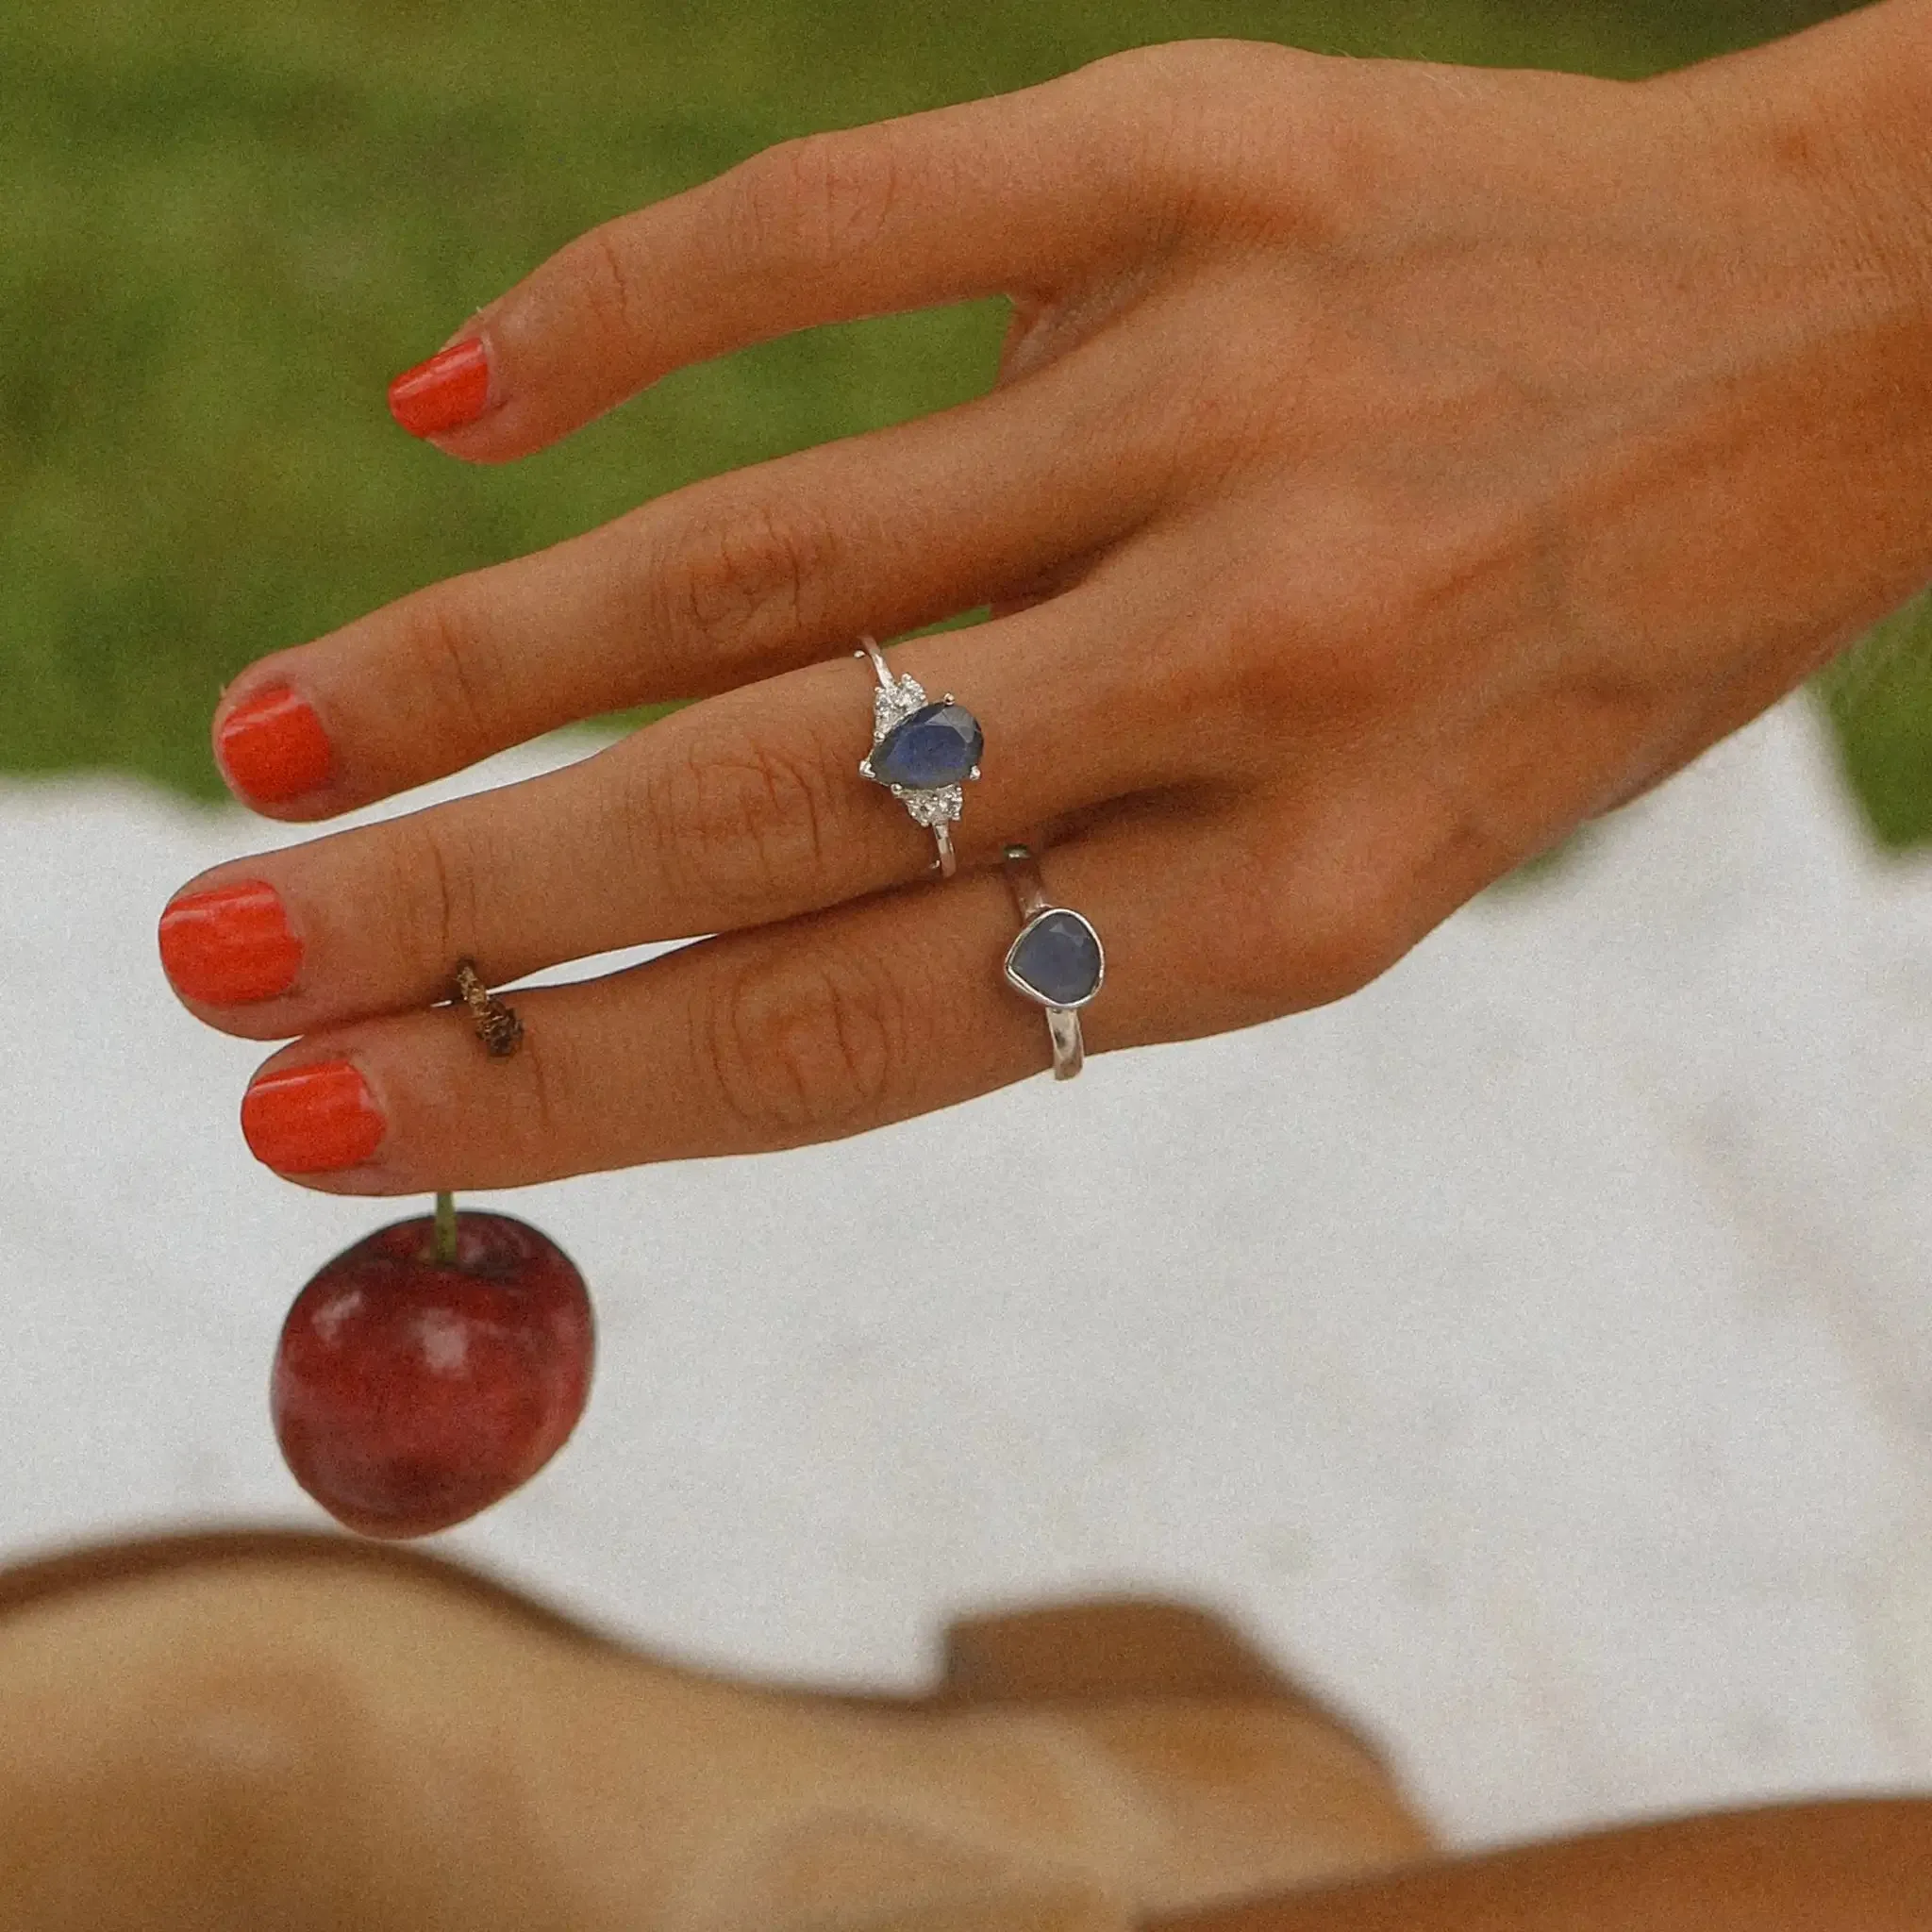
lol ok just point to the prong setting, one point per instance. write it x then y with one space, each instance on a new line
921 766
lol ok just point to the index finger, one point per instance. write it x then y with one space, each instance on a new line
1004 196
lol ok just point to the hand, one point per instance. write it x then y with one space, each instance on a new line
1390 467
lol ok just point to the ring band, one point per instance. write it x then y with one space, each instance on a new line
1057 960
922 753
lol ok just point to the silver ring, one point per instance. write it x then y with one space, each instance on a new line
1057 960
922 753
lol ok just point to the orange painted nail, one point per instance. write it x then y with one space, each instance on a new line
230 945
274 748
311 1120
450 389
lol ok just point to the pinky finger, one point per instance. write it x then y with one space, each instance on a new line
806 1031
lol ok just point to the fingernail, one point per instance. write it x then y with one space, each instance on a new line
311 1120
274 747
445 392
230 945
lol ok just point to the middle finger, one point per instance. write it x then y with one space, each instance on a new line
732 579
744 810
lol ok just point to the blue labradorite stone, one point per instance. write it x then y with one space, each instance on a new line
1058 960
939 744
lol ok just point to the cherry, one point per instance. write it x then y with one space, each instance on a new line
410 1392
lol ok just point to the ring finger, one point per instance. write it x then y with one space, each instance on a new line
827 1025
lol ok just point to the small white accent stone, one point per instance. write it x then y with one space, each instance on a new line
893 707
939 806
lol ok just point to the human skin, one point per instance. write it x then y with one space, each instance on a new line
1389 468
238 1729
1856 1866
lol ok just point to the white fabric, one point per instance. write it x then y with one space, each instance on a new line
1536 1349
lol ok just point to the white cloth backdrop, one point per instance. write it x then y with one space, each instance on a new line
1535 1350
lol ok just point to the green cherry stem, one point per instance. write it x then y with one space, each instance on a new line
446 1231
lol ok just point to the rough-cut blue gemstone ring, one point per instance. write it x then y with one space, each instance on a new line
923 753
1057 960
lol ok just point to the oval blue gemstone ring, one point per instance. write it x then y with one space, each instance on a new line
1057 960
924 754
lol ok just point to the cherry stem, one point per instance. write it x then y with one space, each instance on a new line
445 1250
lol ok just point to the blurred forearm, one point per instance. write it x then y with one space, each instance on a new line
1862 1866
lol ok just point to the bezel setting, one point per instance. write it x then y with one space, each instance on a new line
1021 984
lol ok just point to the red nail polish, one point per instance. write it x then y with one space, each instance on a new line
273 747
311 1120
230 945
445 392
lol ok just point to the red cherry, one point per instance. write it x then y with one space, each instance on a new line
409 1394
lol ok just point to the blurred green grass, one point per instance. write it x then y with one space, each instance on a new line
227 225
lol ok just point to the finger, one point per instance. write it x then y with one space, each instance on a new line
869 1013
1024 192
1214 915
744 809
732 579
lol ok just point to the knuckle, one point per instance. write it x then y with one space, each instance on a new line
436 891
805 1044
1201 116
445 651
1321 654
735 824
809 204
607 284
1338 947
740 584
1326 926
550 1075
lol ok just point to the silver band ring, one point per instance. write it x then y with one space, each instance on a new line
1057 960
922 753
